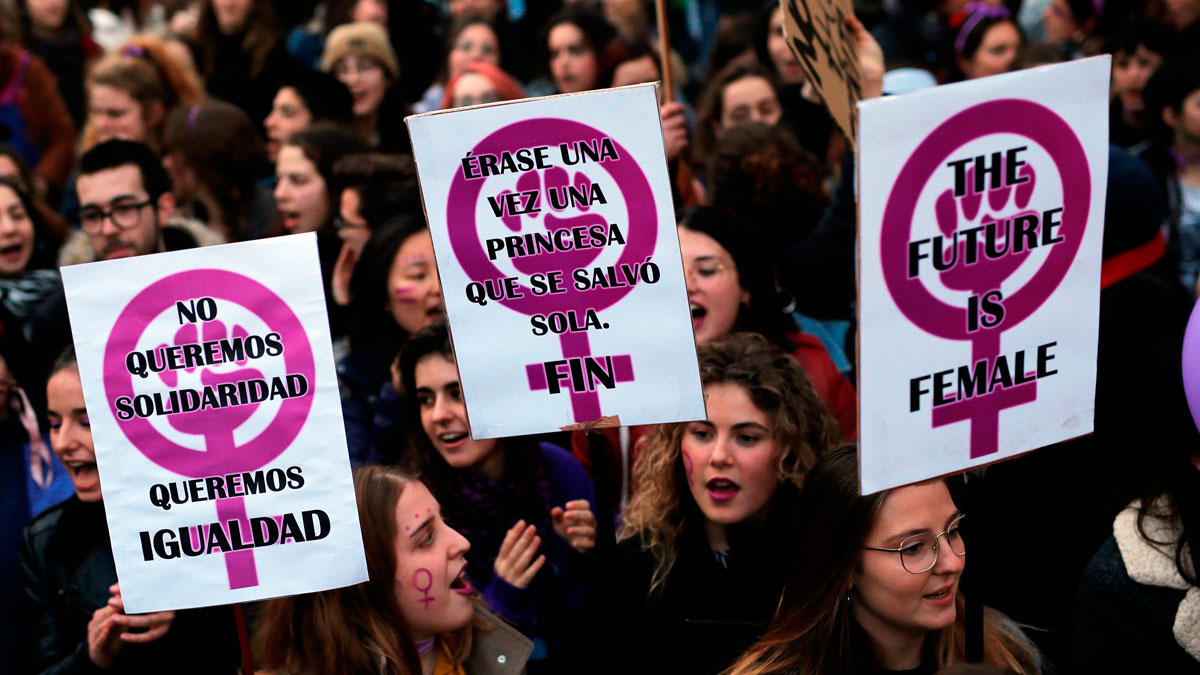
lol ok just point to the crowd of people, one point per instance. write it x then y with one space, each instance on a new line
736 544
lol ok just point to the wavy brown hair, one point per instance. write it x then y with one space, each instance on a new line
352 630
260 36
814 631
145 69
801 426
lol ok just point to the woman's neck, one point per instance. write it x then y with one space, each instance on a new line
429 660
894 649
717 534
45 33
366 126
492 466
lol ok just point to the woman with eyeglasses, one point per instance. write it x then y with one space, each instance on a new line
873 587
701 559
361 57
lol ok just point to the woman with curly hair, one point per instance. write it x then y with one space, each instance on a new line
873 585
700 564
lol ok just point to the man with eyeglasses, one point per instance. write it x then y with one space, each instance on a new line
127 208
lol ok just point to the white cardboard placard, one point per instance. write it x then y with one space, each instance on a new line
210 386
572 188
971 359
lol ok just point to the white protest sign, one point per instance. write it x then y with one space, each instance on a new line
555 239
982 215
209 381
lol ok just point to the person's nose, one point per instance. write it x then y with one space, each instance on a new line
442 412
720 455
281 193
7 224
947 561
458 545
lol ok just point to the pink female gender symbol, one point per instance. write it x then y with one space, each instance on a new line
923 309
221 455
640 233
428 576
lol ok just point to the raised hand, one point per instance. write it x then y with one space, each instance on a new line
576 524
518 562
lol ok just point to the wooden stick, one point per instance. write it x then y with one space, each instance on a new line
240 616
664 50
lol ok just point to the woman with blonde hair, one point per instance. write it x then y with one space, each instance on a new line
416 614
131 93
700 564
873 585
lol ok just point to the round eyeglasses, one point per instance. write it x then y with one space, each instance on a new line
919 552
124 215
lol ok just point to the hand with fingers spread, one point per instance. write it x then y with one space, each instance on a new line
518 561
576 524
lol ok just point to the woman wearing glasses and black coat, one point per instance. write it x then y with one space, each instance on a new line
874 585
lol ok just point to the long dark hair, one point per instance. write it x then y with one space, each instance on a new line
371 327
349 630
260 36
814 631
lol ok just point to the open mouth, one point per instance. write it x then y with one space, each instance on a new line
698 313
722 489
83 474
11 251
291 219
460 584
435 312
942 597
453 439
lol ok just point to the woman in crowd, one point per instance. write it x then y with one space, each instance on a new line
305 200
396 272
1138 49
240 53
61 35
986 43
471 40
801 107
74 616
1140 595
526 507
731 288
480 83
393 624
1072 24
580 50
743 92
701 561
30 286
216 160
306 98
872 586
131 93
362 58
36 120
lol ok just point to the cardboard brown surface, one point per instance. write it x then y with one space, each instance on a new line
817 34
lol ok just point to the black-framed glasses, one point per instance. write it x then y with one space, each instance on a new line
919 552
124 215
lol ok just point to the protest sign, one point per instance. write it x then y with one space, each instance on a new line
554 233
209 381
982 213
817 34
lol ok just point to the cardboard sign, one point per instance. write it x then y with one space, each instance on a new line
209 381
817 34
554 233
982 215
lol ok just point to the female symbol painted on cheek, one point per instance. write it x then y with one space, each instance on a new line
687 464
426 588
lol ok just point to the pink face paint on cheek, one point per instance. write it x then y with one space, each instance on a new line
427 577
403 294
687 465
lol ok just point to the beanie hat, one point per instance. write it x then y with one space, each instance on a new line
363 37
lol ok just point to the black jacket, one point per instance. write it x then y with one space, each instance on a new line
66 569
705 615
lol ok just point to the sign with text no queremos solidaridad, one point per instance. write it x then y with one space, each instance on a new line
554 233
209 380
982 216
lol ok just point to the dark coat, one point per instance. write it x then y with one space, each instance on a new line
705 615
66 569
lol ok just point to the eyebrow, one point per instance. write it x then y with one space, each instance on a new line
114 200
751 425
424 524
920 530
